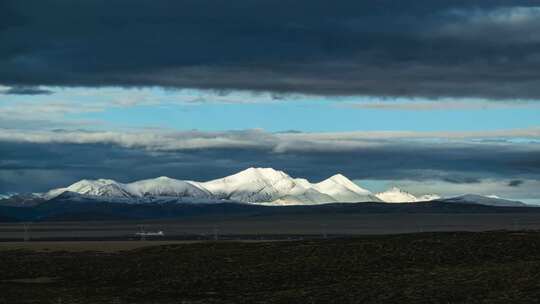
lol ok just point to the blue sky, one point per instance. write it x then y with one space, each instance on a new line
117 108
315 116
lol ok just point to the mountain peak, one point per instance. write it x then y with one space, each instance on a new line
260 173
166 186
102 181
343 189
340 178
264 170
396 195
98 187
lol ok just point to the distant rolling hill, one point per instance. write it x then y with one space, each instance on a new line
66 208
483 200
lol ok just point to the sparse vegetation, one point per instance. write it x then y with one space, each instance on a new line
490 267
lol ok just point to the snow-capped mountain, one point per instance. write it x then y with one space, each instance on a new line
344 190
253 185
99 187
161 186
397 195
267 185
165 186
429 197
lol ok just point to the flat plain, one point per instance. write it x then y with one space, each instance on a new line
271 226
443 267
300 258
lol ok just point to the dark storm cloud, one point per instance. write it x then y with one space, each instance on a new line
41 166
430 48
461 180
515 183
25 90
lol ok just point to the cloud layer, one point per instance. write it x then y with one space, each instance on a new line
275 142
421 48
37 161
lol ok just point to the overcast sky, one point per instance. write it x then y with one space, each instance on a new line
433 96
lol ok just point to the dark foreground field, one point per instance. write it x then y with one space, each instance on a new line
488 267
270 227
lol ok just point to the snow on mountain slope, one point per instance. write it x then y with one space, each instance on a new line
396 195
429 197
161 186
342 181
483 200
165 186
344 190
308 197
253 185
99 187
266 185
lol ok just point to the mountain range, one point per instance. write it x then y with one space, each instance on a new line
263 186
253 185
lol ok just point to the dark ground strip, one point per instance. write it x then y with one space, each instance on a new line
268 227
491 267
